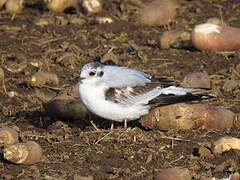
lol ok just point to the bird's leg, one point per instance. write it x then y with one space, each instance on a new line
125 123
112 125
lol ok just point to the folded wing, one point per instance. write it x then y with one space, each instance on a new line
154 94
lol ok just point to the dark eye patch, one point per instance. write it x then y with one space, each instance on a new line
92 73
101 73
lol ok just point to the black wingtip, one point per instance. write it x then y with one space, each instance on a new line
172 99
207 97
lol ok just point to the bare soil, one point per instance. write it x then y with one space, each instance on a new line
73 148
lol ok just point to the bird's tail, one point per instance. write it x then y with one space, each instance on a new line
172 95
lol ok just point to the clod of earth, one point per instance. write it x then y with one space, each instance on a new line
8 136
2 3
44 78
104 20
92 6
14 6
169 38
23 153
225 144
158 13
196 80
216 37
66 107
174 174
188 116
61 5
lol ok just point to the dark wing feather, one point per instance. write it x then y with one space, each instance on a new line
172 99
148 94
131 95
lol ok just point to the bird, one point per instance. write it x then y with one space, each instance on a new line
123 94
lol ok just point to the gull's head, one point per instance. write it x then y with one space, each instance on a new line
91 72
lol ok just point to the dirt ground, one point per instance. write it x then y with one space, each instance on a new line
73 148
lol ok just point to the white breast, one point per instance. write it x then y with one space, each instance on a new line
94 99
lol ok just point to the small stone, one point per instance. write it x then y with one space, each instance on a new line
92 6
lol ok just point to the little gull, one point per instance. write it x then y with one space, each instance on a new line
124 94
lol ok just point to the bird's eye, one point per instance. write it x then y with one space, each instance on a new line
92 73
101 74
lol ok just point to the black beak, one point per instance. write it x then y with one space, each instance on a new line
77 79
81 78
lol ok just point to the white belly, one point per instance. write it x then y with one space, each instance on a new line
95 101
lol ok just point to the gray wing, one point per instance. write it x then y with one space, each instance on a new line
128 96
122 76
154 95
